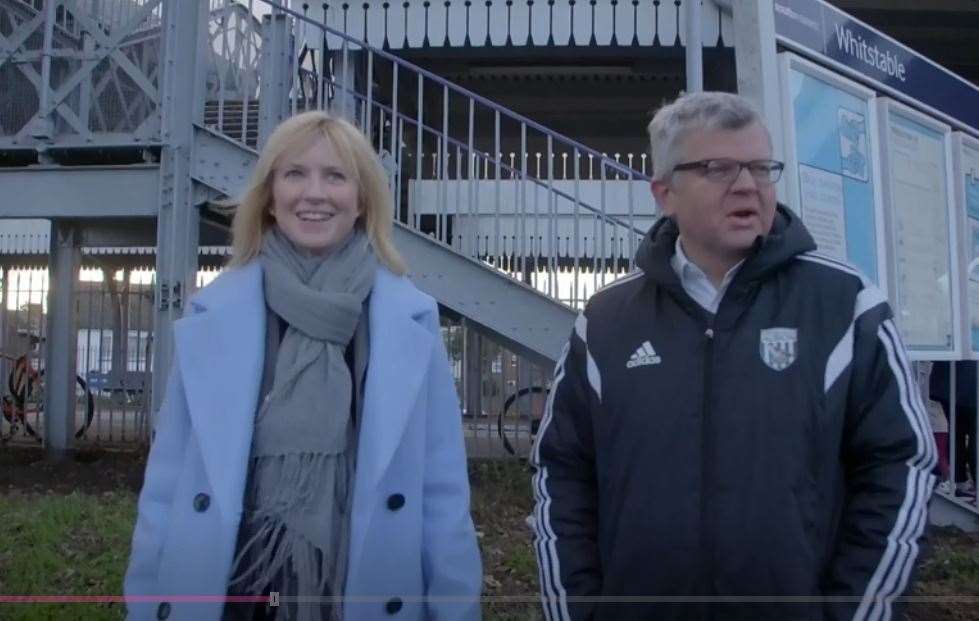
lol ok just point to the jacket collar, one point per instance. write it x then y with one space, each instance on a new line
400 349
787 238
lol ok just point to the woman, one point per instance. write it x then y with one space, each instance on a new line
310 440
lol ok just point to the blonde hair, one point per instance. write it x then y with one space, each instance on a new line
253 217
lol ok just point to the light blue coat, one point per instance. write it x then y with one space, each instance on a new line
423 553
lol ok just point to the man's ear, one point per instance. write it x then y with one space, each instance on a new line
663 195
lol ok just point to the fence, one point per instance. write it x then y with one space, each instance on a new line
113 356
114 318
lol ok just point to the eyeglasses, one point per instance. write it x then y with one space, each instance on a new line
764 172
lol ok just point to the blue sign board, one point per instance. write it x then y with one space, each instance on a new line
831 33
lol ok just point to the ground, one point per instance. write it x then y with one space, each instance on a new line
65 529
91 472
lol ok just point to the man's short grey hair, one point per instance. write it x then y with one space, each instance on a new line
709 110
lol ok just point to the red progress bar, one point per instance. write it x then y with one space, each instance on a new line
122 599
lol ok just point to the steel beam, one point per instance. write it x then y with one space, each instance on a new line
757 65
60 350
79 192
518 317
4 319
346 67
274 74
43 125
220 162
472 356
694 48
184 54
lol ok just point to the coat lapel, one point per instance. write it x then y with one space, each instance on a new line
220 352
400 348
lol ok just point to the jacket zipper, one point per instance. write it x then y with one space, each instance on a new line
706 543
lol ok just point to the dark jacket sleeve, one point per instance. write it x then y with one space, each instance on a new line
888 454
565 514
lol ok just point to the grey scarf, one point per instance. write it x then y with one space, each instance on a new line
297 506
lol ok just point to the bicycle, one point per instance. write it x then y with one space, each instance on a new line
526 399
26 397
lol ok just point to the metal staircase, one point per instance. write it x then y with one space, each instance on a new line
522 318
507 224
491 230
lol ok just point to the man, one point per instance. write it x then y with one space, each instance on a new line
733 430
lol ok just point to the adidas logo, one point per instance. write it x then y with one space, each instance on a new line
642 356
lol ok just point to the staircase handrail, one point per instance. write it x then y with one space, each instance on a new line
515 116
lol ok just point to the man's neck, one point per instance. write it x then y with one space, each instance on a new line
715 267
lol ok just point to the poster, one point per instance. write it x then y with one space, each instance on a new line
831 175
921 241
853 145
821 196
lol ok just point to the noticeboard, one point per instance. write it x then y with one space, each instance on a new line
966 154
924 271
832 164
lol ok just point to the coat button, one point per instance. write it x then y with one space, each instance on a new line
201 502
393 605
163 610
395 502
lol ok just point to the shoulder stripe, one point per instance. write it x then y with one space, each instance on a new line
594 377
633 275
842 355
846 268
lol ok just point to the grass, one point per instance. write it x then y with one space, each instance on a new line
78 544
501 501
64 545
952 566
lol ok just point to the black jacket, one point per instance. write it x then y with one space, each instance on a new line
776 449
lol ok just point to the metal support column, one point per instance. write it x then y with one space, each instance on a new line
274 74
43 126
185 37
347 73
757 65
4 316
5 321
472 356
85 89
64 261
694 48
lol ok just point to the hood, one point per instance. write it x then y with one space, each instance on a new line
787 238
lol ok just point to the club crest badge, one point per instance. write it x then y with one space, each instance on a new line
778 347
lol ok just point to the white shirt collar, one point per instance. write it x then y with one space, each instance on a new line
696 282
